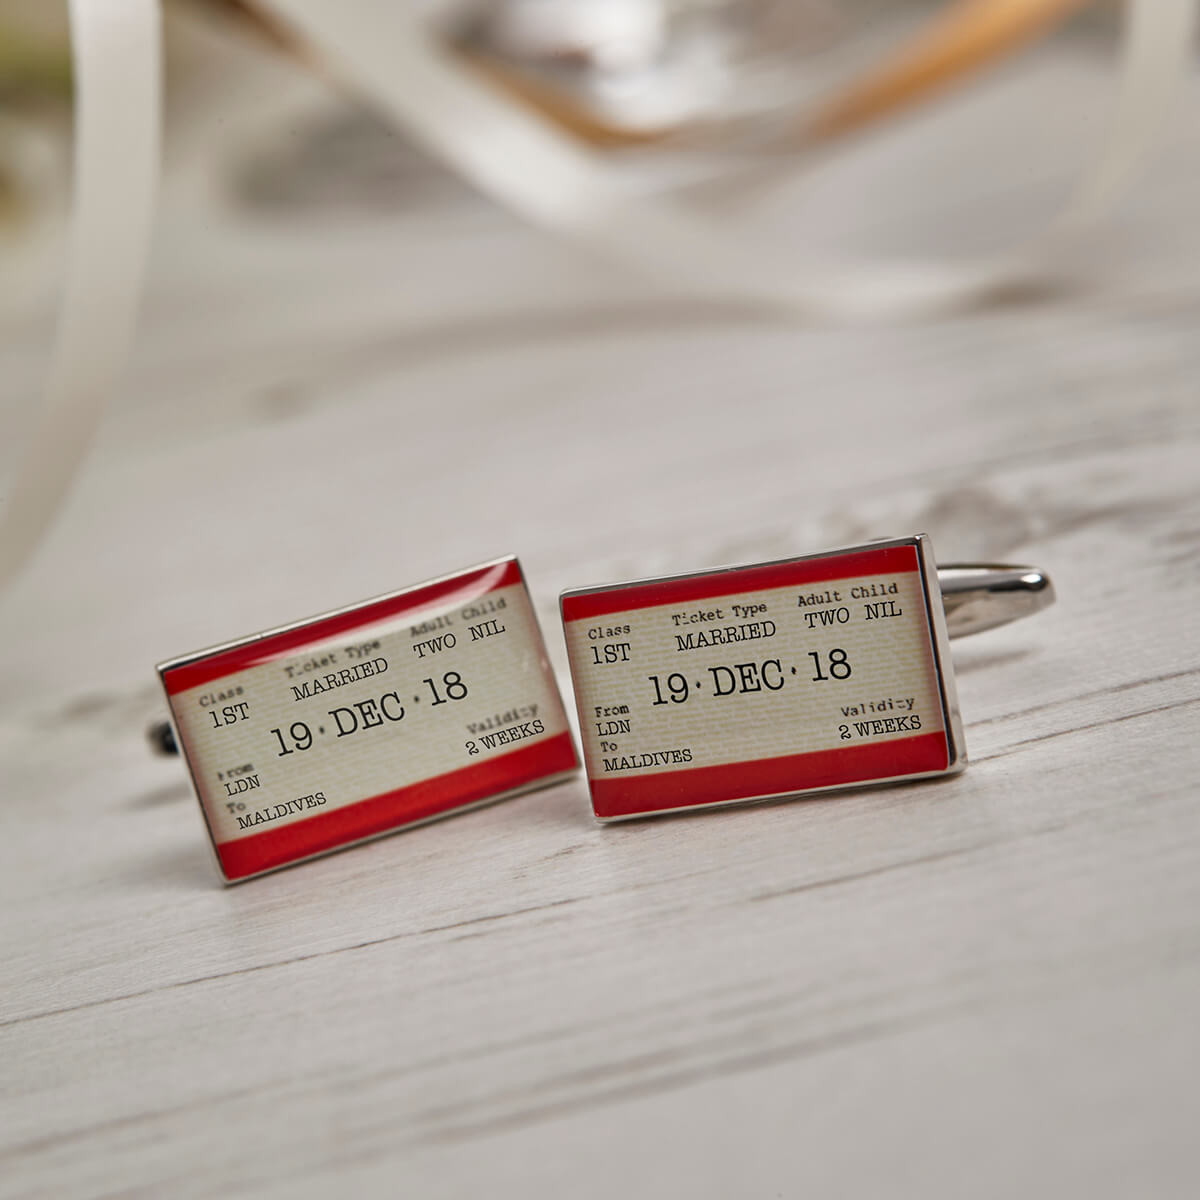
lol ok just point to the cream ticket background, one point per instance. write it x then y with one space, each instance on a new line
890 659
501 672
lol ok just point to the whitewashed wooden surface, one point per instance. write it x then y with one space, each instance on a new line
985 987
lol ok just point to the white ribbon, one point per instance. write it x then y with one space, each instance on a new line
382 52
117 70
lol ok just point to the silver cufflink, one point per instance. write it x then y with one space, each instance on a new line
719 687
826 671
408 707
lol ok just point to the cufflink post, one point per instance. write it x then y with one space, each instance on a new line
979 596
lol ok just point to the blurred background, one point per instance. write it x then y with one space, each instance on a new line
353 368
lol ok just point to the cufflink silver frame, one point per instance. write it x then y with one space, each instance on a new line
776 679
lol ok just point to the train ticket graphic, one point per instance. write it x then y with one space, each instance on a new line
359 722
760 681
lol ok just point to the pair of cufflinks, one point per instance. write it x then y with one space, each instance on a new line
712 688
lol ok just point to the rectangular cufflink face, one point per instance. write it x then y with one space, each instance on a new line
751 682
353 724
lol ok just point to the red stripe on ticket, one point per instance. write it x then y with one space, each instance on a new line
818 770
284 642
707 585
403 806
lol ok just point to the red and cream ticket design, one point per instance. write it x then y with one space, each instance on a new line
359 722
740 684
